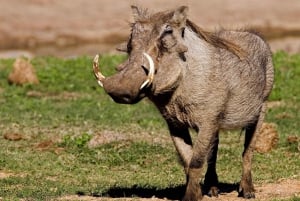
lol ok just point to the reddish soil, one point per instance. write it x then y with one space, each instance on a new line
77 27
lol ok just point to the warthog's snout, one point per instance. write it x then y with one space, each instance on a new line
121 91
128 85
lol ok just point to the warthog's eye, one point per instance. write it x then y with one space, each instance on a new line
168 30
167 39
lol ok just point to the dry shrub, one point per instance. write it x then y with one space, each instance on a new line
106 137
48 145
22 73
44 145
267 138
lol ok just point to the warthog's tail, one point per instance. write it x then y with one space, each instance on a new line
269 77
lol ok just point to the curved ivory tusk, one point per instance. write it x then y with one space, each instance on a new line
151 71
97 73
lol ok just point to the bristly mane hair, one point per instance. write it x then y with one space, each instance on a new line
215 40
212 38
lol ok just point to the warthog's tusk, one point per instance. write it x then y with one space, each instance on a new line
151 72
97 73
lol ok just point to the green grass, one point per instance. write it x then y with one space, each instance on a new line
68 109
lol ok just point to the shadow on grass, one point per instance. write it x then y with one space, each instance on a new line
174 193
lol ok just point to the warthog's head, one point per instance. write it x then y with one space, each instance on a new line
155 57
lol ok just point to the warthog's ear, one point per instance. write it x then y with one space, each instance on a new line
138 12
180 15
135 12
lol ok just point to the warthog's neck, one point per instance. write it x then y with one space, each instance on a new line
198 50
178 105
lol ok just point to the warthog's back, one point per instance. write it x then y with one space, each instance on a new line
249 80
218 82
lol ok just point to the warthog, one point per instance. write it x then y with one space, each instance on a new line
197 79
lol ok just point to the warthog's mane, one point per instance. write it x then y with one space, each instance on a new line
218 42
212 38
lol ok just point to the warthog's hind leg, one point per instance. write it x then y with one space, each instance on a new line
246 189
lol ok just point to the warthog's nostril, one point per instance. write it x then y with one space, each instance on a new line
121 98
126 97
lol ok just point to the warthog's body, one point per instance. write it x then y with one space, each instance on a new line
205 81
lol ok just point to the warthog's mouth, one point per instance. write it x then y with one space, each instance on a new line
100 77
124 87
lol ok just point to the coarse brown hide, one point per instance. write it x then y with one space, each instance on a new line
197 79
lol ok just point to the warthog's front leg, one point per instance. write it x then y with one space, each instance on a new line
200 150
183 143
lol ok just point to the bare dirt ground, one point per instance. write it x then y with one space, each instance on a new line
280 190
80 27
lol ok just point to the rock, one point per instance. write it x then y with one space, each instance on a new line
13 136
22 73
267 138
292 139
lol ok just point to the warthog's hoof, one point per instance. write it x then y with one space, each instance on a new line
247 194
192 198
213 192
246 189
193 193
